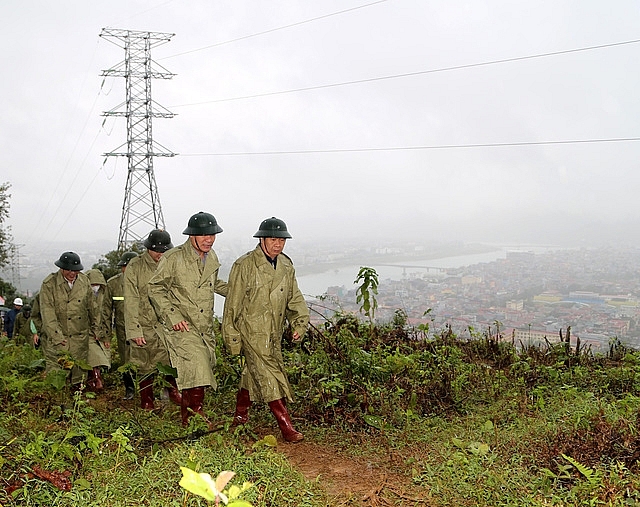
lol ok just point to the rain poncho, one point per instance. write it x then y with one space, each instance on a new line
115 298
261 300
139 317
67 314
183 289
99 350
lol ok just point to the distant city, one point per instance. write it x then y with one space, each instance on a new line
530 294
529 297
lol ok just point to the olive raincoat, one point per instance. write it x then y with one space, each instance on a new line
261 300
115 302
36 319
100 349
21 330
140 318
183 289
68 315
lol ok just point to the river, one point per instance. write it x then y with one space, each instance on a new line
317 283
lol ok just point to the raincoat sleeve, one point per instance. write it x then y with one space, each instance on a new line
107 311
50 323
159 289
297 311
232 307
221 287
36 318
105 317
93 312
133 329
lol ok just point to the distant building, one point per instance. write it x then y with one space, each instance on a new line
585 297
532 336
548 297
517 305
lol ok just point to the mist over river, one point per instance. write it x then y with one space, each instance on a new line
316 284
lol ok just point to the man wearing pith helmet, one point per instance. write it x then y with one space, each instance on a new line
182 293
115 299
145 333
69 318
263 297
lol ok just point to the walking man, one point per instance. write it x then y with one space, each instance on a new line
182 293
10 317
100 348
263 296
68 316
115 301
144 332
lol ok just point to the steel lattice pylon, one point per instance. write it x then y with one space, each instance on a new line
141 210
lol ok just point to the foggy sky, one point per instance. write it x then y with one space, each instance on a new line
582 193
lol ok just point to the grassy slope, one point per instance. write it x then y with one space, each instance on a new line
494 432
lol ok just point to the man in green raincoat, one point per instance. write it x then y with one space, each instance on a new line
263 296
144 331
115 302
100 348
21 329
68 316
182 293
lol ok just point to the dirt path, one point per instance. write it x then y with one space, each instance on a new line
351 481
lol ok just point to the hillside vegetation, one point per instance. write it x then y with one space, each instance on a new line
392 415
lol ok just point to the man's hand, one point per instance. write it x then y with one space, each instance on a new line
296 337
36 340
139 341
183 325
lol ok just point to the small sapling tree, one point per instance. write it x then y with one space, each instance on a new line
367 291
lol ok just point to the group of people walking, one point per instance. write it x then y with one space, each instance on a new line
161 306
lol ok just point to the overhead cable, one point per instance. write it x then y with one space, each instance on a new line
416 73
272 30
409 148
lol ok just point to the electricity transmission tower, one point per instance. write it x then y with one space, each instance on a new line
14 266
141 210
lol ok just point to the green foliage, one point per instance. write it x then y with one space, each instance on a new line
108 263
5 234
203 485
464 422
367 291
7 290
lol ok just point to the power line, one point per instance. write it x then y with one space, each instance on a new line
416 73
273 30
410 148
62 177
64 197
82 196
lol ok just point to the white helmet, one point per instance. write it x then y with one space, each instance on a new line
17 301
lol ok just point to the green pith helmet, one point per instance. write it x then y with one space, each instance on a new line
159 241
96 277
202 224
126 257
272 228
26 308
69 261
